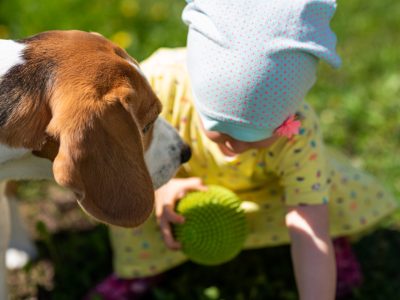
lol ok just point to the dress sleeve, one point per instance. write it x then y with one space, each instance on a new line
165 71
301 164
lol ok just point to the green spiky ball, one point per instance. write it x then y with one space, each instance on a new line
215 227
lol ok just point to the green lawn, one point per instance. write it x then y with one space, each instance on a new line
360 113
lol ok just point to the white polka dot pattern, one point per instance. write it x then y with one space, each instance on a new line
252 62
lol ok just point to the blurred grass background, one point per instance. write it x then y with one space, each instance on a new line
360 113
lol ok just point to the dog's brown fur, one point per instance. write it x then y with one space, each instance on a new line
81 103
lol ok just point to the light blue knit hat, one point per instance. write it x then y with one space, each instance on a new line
251 62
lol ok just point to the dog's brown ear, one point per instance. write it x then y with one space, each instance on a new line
101 158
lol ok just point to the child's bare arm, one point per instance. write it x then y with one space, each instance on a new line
312 251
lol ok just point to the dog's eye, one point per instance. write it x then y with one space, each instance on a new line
147 127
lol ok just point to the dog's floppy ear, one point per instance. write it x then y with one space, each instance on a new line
101 158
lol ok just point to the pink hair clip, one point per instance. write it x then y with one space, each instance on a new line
289 127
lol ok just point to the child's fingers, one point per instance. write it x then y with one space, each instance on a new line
167 197
172 216
193 183
165 220
169 214
168 237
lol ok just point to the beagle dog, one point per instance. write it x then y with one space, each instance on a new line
76 108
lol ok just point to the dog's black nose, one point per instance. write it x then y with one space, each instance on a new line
186 153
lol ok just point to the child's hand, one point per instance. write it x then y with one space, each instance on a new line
166 198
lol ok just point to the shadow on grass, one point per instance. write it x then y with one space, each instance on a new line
75 254
84 258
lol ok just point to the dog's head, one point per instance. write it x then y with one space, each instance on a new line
83 102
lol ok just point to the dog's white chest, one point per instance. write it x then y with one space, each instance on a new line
10 55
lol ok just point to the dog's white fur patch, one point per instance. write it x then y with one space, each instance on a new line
10 55
163 157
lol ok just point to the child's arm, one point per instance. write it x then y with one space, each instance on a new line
312 251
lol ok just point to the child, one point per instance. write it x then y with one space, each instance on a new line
240 105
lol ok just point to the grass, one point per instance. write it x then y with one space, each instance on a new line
74 254
360 113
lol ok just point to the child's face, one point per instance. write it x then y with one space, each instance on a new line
231 147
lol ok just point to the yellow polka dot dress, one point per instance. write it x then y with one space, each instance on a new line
291 172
